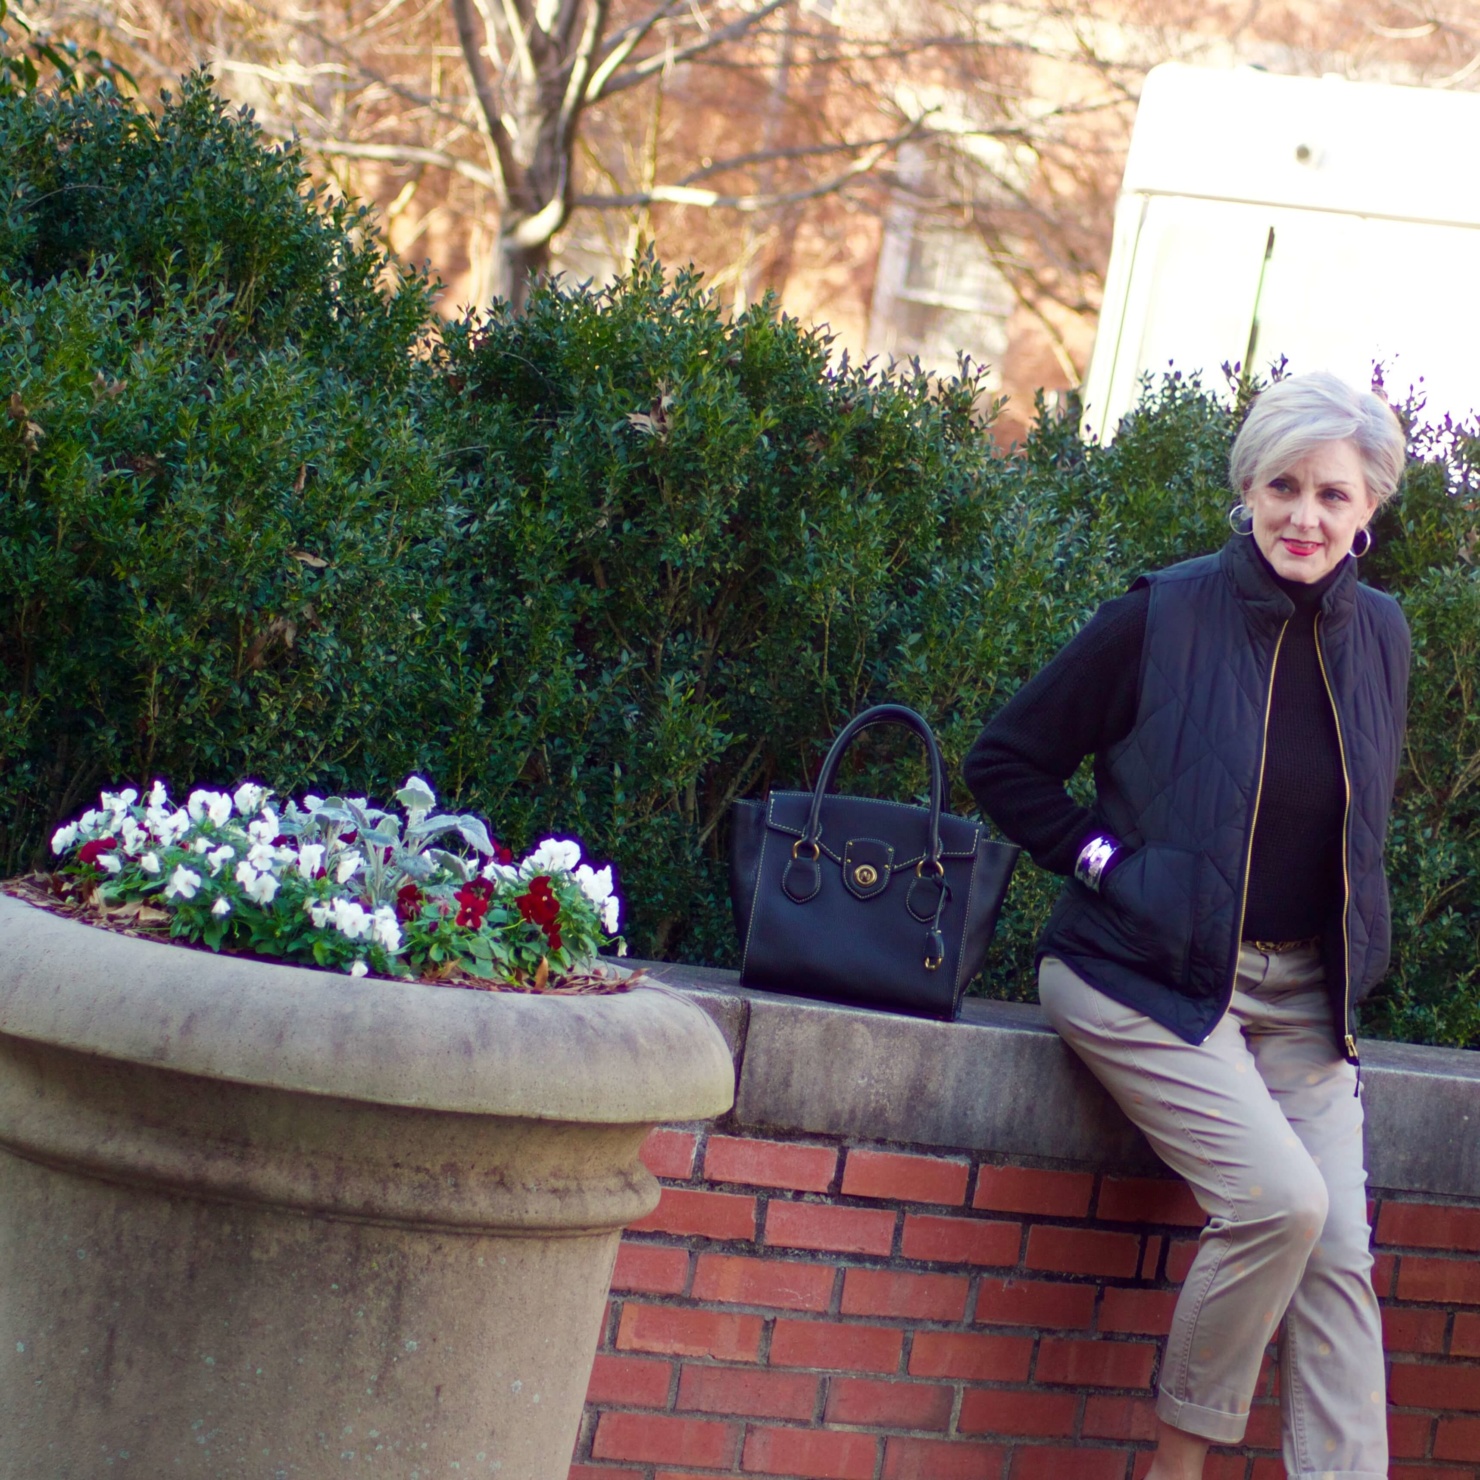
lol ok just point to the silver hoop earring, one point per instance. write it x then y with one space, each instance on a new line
1367 545
1241 519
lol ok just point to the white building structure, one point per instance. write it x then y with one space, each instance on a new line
1334 223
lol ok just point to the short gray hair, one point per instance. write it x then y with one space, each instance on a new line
1300 413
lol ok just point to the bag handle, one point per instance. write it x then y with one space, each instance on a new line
880 714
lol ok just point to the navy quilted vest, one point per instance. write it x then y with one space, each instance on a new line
1182 790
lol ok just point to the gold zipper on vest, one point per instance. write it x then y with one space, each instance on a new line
1348 1041
1243 903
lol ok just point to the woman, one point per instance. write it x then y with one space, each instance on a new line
1226 909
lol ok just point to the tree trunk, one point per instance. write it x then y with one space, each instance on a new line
516 266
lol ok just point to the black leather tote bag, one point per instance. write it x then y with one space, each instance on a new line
862 900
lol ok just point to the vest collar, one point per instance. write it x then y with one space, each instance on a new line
1256 588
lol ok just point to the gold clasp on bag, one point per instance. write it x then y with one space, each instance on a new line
866 875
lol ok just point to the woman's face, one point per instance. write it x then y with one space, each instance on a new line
1306 519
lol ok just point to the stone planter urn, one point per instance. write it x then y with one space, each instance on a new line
259 1221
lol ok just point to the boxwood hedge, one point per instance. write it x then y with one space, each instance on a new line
601 567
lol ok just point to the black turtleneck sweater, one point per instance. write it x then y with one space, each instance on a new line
1086 699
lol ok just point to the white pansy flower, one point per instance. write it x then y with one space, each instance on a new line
266 828
201 845
500 873
118 802
222 906
256 886
310 859
169 826
249 797
610 914
157 797
109 862
90 819
262 855
262 888
350 919
596 884
349 866
213 804
386 928
134 838
63 838
217 856
553 855
184 882
150 863
621 948
319 913
359 969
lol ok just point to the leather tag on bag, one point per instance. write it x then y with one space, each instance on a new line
802 879
923 900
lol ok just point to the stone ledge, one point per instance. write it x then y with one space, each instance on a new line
1000 1081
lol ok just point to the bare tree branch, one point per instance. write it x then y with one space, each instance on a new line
485 93
622 46
641 71
771 156
407 154
521 34
138 53
685 195
580 70
1404 33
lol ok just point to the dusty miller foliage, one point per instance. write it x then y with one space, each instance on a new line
597 568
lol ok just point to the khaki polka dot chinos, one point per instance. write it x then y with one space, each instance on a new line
1263 1122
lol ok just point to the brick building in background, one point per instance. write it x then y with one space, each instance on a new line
922 1251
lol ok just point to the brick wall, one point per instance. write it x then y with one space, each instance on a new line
836 1311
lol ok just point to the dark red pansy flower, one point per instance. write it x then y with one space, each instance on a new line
539 906
502 854
281 841
349 837
473 907
89 853
408 902
481 887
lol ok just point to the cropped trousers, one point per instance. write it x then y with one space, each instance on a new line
1263 1122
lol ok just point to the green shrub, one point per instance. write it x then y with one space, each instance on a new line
210 467
600 567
